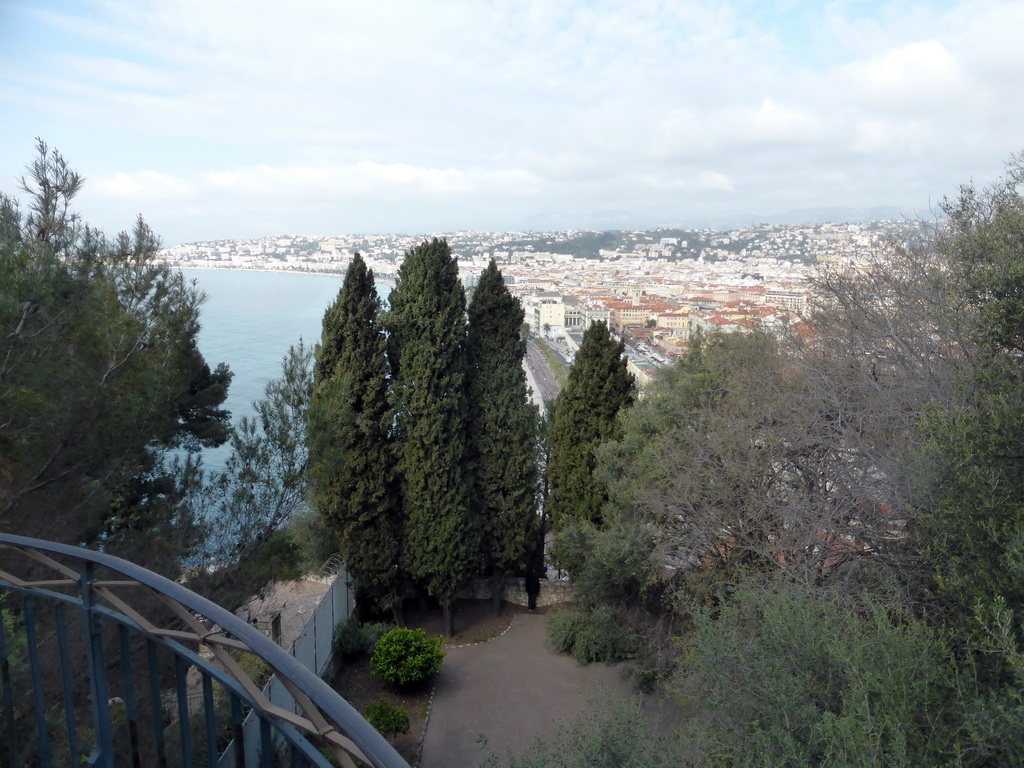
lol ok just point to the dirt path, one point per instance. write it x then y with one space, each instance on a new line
501 695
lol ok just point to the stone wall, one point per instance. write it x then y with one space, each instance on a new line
551 591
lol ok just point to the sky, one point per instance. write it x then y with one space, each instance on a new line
244 118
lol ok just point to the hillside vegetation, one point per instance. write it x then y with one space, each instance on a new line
816 542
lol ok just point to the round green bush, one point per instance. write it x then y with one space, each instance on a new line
406 657
387 718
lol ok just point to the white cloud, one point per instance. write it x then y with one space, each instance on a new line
308 182
477 109
916 76
713 181
147 186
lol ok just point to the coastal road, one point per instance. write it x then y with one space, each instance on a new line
542 374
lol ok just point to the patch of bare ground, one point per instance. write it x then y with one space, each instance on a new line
475 622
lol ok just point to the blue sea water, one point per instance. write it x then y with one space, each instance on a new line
249 320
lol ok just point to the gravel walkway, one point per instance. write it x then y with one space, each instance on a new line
500 695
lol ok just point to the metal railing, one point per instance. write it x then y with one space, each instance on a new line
100 657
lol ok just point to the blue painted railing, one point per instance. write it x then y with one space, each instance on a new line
98 658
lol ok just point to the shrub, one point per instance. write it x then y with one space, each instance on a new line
372 633
597 635
564 627
349 638
787 676
646 679
406 657
618 568
387 718
353 638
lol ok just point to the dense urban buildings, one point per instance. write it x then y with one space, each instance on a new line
654 288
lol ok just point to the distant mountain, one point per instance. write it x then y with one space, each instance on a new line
808 216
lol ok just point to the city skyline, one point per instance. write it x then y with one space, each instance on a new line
236 120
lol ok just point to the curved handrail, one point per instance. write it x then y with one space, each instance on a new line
323 713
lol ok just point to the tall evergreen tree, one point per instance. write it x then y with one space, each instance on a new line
100 376
501 437
585 416
427 352
351 462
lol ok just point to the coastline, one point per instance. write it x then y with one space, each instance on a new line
338 275
263 270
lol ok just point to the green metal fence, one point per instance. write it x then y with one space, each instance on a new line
99 659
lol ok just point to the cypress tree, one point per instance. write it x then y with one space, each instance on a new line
427 351
351 461
599 386
501 436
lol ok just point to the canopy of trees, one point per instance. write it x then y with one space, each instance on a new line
105 401
834 515
99 377
599 387
422 440
351 447
427 352
501 432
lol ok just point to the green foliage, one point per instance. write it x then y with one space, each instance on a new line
788 676
351 458
614 565
984 246
426 350
599 387
404 658
684 458
867 479
387 718
17 673
971 518
99 376
563 628
994 718
262 486
14 637
316 542
969 511
255 667
743 454
589 636
373 631
349 639
353 637
501 429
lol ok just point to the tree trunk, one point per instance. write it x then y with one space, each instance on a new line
398 614
449 620
497 590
